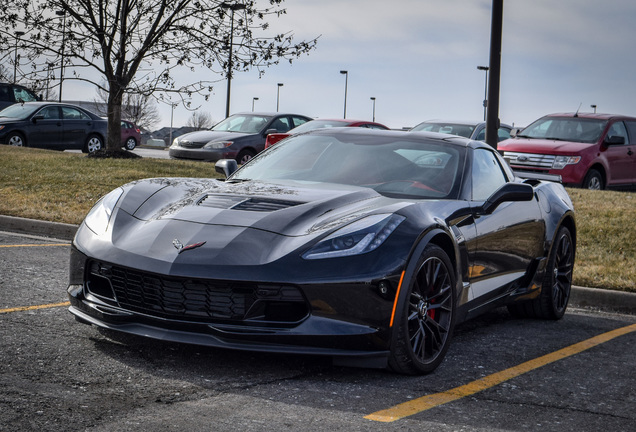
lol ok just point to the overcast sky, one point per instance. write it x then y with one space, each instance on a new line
419 59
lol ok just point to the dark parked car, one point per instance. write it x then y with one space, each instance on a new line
368 246
472 130
14 93
52 125
239 137
273 138
130 135
593 151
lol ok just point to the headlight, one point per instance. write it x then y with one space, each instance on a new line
99 216
362 236
218 144
561 161
1 127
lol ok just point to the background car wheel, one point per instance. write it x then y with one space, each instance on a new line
557 283
244 156
93 143
16 139
427 320
130 144
593 180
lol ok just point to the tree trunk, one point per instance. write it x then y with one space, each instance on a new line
115 98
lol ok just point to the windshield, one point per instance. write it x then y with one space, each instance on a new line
19 111
462 130
244 123
393 166
574 129
318 124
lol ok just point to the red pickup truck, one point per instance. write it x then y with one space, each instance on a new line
593 151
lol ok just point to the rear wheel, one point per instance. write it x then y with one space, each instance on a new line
130 144
16 139
557 283
593 180
427 320
93 143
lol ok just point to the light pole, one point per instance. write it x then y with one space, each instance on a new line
233 7
63 15
254 99
172 106
486 69
346 74
278 96
373 99
594 107
18 34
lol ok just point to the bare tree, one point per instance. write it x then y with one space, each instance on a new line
200 120
123 40
137 108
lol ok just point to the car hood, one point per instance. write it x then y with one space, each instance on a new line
542 146
233 227
5 120
209 135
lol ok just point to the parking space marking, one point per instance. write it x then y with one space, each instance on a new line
34 245
28 308
424 403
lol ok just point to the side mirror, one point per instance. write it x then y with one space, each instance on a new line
514 132
35 119
270 131
510 192
226 167
615 140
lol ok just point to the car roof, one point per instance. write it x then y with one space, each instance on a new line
600 116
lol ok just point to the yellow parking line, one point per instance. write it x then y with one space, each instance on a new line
34 245
431 401
27 308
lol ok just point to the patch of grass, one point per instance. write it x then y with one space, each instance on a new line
62 187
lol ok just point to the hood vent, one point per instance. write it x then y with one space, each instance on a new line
245 204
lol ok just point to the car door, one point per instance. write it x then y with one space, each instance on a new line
509 239
621 158
45 129
77 126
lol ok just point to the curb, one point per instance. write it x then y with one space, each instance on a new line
580 297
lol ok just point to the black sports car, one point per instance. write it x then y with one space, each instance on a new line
368 246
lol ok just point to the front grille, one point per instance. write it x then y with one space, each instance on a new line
190 144
192 299
530 160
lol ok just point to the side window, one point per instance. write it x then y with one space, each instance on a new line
631 127
298 121
618 129
503 134
281 125
73 114
50 113
5 96
488 176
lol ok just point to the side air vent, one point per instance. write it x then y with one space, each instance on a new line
245 204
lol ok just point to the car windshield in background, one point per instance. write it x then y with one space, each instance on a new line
397 168
19 111
574 129
319 124
248 124
448 128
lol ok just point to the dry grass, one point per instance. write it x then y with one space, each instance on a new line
62 187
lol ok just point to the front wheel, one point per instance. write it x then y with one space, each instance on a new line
93 143
16 139
244 156
427 319
593 180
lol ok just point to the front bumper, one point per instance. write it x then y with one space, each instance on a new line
211 155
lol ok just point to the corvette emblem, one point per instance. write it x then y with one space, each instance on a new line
181 248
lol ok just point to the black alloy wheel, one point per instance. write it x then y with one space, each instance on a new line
428 318
593 180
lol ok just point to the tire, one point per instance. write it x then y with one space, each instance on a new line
16 139
93 144
244 156
130 144
593 180
557 283
427 319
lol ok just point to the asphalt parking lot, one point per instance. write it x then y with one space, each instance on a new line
500 374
